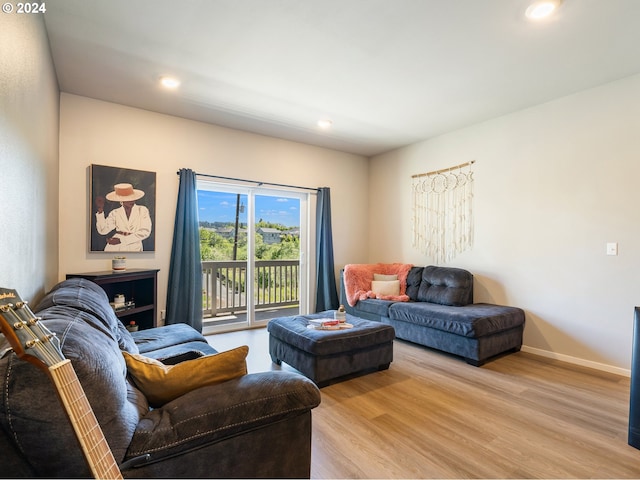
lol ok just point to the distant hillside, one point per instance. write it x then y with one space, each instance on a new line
260 224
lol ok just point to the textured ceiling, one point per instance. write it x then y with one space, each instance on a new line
387 72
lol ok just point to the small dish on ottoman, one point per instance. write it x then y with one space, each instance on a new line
325 355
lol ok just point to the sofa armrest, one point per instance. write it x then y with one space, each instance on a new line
215 413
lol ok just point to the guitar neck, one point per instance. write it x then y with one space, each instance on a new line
94 445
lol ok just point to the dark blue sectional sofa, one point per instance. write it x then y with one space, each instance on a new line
254 426
441 315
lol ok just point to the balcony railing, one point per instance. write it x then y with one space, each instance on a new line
224 285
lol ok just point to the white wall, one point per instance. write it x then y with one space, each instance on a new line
553 184
29 106
95 132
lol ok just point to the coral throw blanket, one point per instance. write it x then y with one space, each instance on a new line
358 277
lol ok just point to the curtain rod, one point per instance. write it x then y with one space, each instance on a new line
435 172
254 181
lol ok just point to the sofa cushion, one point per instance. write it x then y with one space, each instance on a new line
445 286
162 383
474 320
179 353
166 336
31 410
414 278
86 296
373 306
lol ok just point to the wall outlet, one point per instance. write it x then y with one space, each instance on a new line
163 314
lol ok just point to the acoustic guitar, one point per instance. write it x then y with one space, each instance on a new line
33 342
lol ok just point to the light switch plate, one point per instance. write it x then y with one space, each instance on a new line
612 248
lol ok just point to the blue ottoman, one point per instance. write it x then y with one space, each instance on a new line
325 355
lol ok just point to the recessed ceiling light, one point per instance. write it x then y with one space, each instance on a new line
169 82
325 123
542 9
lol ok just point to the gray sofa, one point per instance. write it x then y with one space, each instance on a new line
441 315
244 427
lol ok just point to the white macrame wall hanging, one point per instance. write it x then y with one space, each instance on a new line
443 211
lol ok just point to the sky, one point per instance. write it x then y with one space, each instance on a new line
221 207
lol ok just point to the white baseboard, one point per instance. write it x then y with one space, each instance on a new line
577 361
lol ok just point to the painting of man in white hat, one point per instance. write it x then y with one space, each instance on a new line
121 219
131 222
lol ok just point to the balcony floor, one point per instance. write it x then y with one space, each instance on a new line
238 321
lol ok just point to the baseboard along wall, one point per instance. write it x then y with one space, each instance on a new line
577 361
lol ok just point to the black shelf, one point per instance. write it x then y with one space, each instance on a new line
138 285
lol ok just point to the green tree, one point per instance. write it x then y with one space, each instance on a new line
214 246
287 249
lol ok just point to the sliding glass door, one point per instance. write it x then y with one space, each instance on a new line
254 247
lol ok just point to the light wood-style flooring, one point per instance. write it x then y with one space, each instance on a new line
433 416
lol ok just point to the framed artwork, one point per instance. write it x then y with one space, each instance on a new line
122 210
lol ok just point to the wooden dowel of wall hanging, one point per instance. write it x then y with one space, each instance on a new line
435 172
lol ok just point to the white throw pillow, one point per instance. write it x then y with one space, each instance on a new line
384 278
386 288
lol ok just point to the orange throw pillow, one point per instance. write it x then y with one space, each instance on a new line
162 383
